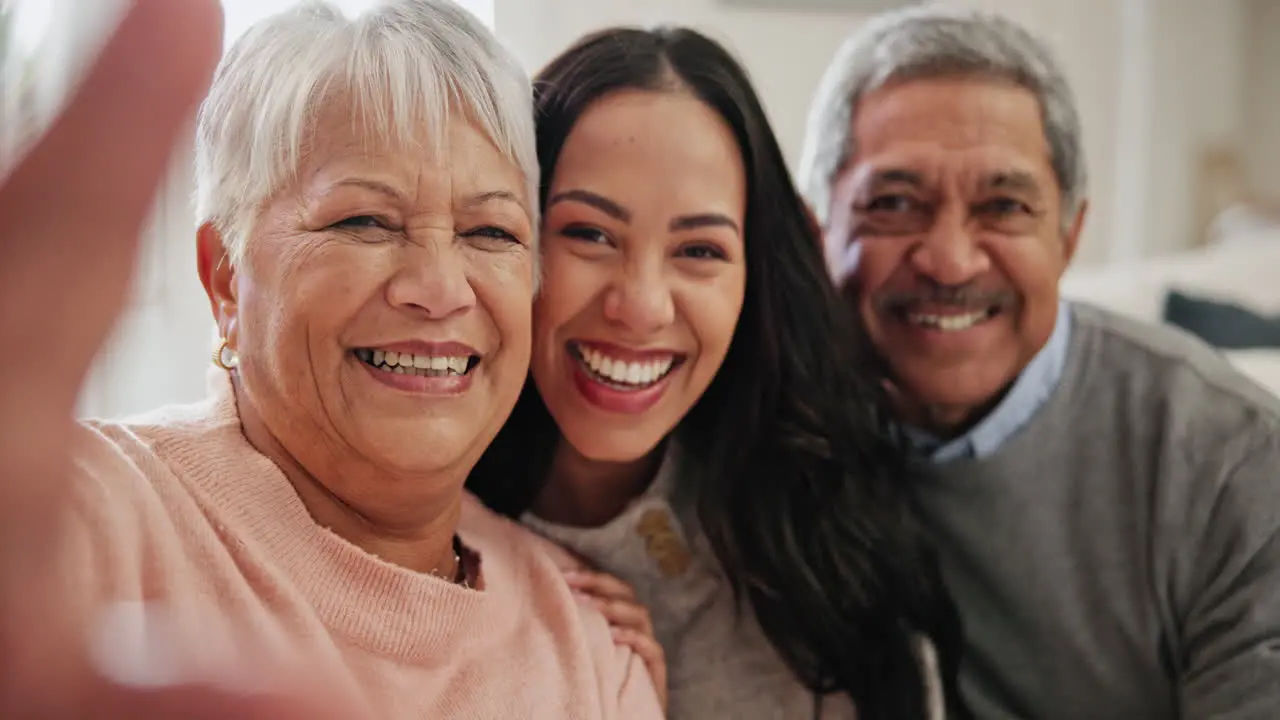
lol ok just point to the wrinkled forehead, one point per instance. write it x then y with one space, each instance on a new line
447 155
969 130
928 169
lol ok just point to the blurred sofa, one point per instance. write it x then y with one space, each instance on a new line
1228 293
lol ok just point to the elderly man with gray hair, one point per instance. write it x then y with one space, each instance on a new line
1105 494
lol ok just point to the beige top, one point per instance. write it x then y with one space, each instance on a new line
720 663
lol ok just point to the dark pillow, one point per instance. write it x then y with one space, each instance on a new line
1222 324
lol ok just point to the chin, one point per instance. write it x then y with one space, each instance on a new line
622 446
432 448
416 465
953 387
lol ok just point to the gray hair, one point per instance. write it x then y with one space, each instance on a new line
931 42
404 63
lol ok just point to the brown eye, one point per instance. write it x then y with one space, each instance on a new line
1003 207
890 204
891 214
491 232
586 234
702 252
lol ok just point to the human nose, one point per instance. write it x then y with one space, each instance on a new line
640 298
949 253
432 279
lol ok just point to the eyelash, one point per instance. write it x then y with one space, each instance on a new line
595 236
707 252
1004 206
492 232
902 203
877 204
361 222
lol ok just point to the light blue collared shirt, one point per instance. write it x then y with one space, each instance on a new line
1029 393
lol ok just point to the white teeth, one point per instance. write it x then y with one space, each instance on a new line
948 323
620 371
410 364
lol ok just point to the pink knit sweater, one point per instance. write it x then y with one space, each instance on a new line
176 508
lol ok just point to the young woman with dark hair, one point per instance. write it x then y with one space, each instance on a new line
701 421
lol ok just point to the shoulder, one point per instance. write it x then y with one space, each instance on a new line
128 500
113 451
530 569
150 465
1172 377
174 428
154 454
1208 436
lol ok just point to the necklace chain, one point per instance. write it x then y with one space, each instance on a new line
460 575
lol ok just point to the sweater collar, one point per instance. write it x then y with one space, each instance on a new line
384 608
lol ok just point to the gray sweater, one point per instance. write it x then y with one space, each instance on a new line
720 664
1119 556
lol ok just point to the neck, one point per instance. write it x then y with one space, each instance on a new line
946 422
582 492
415 533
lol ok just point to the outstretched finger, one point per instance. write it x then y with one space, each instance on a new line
75 204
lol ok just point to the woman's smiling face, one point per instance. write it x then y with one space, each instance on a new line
645 270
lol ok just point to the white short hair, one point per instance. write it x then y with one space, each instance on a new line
401 64
931 42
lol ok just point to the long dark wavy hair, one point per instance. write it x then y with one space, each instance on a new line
789 454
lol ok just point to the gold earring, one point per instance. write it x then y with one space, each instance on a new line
225 357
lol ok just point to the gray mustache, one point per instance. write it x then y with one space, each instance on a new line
961 297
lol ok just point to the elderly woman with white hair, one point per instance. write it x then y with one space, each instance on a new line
368 244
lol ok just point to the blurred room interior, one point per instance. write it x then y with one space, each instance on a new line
1179 97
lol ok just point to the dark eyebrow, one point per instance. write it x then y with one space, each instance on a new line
616 211
1013 181
693 222
895 177
599 202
